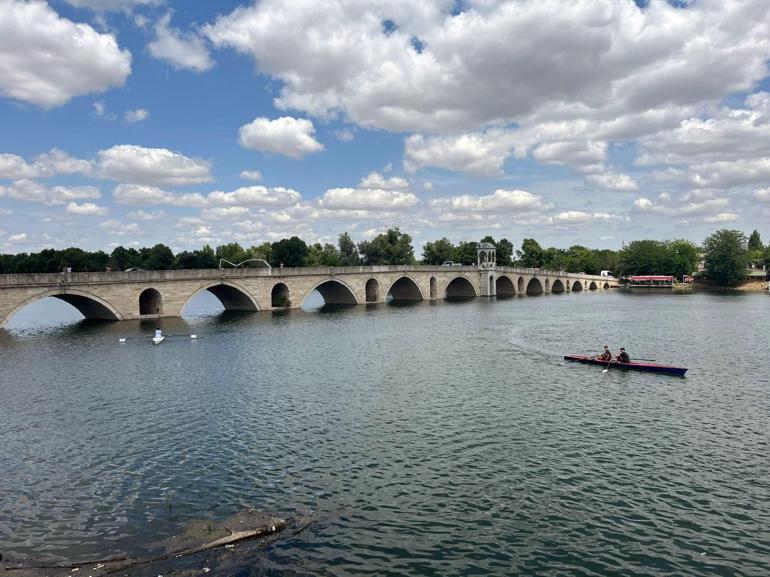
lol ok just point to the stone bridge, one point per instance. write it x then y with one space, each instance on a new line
154 294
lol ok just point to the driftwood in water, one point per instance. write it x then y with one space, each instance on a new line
122 563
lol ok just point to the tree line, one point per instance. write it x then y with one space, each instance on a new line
726 254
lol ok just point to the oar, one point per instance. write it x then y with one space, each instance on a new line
607 368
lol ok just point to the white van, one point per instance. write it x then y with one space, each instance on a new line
606 273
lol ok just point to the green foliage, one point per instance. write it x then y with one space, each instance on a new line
159 257
348 252
504 252
438 252
644 257
755 242
465 253
123 258
231 252
323 255
726 257
683 257
391 247
289 252
196 259
531 254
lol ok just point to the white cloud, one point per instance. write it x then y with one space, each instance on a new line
14 167
152 166
603 55
376 180
140 194
366 199
146 215
289 136
182 51
32 191
137 115
694 204
579 217
20 237
613 181
500 200
86 209
46 60
116 227
100 108
222 213
251 175
722 217
762 194
480 154
110 5
255 196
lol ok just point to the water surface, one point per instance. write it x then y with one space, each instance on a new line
434 439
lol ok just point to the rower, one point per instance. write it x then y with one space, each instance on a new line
606 355
158 333
623 356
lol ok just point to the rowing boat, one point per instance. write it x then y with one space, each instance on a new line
158 340
634 366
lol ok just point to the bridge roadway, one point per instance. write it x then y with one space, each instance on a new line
154 294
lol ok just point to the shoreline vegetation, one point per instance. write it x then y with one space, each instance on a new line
723 260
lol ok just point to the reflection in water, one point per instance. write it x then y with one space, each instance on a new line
427 438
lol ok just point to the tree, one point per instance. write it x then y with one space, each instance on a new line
644 257
348 252
391 247
323 255
123 258
726 257
531 254
262 251
159 257
437 252
755 242
289 252
683 257
504 252
231 252
466 253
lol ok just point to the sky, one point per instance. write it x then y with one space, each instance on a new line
593 122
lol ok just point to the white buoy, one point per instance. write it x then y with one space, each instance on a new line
121 340
193 336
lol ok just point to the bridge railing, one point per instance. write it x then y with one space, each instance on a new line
149 276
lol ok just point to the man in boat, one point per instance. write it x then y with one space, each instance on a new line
606 355
158 333
623 356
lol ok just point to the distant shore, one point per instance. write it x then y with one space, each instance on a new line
750 286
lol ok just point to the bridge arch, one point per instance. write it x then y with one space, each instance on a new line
372 290
520 286
232 296
592 286
534 287
459 288
577 286
557 286
280 297
606 286
433 288
405 288
334 292
504 286
150 302
87 304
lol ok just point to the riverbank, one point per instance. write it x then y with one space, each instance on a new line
750 286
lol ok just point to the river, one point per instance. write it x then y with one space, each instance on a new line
431 439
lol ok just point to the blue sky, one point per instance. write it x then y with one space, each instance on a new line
594 122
